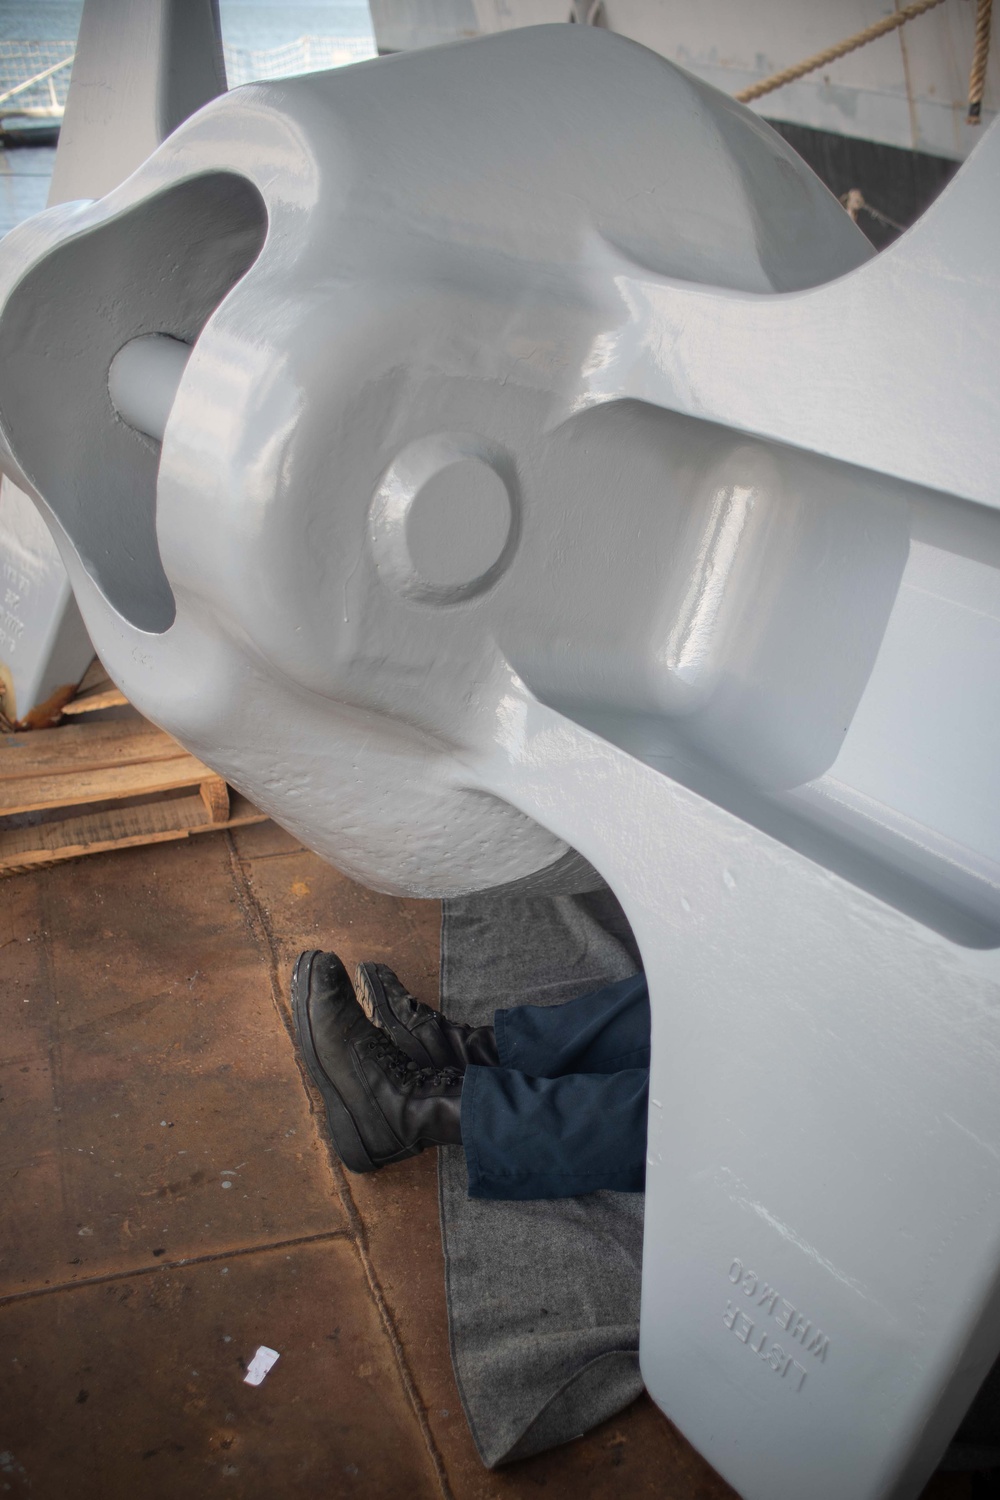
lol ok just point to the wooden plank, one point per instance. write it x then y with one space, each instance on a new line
116 828
32 793
214 794
95 679
71 750
107 827
110 698
86 730
103 763
96 690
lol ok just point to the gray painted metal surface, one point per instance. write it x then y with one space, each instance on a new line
141 67
554 466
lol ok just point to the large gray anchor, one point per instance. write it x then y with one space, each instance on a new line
510 448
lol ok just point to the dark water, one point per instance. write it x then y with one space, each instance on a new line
25 170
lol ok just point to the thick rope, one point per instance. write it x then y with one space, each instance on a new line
860 39
977 78
854 202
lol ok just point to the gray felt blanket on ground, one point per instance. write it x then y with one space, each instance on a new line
543 1297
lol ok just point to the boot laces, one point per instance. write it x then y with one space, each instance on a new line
403 1069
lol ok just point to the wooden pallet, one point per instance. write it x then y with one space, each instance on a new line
96 691
93 785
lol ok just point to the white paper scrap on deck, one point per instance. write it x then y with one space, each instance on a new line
265 1359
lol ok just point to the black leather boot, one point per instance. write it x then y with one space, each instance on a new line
426 1036
381 1105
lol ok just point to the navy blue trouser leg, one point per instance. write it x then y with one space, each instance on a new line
565 1111
602 1032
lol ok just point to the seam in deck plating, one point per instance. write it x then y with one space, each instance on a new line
175 1265
260 932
